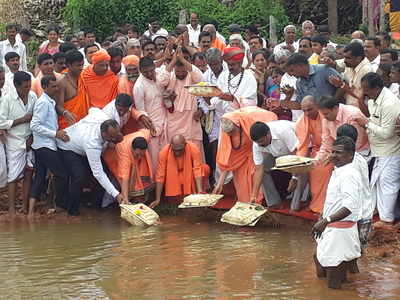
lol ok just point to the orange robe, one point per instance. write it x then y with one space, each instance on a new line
99 89
178 173
218 44
240 161
309 133
37 85
78 105
125 86
123 164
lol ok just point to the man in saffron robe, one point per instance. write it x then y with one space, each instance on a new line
182 118
148 95
235 149
72 102
46 66
127 81
101 84
309 133
130 163
180 170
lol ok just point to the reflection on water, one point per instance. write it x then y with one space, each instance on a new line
107 259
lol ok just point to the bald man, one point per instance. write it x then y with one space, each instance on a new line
309 133
358 34
180 170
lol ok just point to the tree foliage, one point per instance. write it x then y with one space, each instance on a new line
105 15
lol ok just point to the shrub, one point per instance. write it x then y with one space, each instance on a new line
105 15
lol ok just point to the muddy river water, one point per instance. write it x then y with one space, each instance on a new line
101 257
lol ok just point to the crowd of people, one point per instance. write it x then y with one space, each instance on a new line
121 111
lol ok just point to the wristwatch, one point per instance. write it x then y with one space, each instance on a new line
328 219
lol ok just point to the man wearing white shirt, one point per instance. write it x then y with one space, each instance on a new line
11 45
289 33
385 146
155 29
87 140
87 52
12 63
271 140
116 65
371 49
338 243
3 161
367 205
15 114
194 29
120 109
44 126
212 107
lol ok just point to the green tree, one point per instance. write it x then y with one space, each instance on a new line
105 15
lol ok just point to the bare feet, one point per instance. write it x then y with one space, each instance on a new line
383 225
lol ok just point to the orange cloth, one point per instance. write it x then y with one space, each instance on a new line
233 53
178 173
121 162
218 44
37 85
125 86
99 89
79 106
101 55
130 60
240 161
309 133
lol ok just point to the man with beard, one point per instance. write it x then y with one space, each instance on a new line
183 117
127 81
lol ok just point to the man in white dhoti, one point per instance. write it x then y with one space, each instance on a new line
338 243
367 205
15 114
385 146
3 162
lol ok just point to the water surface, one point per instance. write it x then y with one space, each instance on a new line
104 258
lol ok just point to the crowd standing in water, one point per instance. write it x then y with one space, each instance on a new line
119 112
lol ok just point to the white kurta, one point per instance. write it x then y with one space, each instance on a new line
289 80
3 166
367 203
385 147
337 245
245 90
3 163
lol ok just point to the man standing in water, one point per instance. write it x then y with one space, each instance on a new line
338 243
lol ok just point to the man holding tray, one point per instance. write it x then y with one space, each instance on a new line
271 140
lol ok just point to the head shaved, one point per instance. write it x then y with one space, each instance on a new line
178 140
308 100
